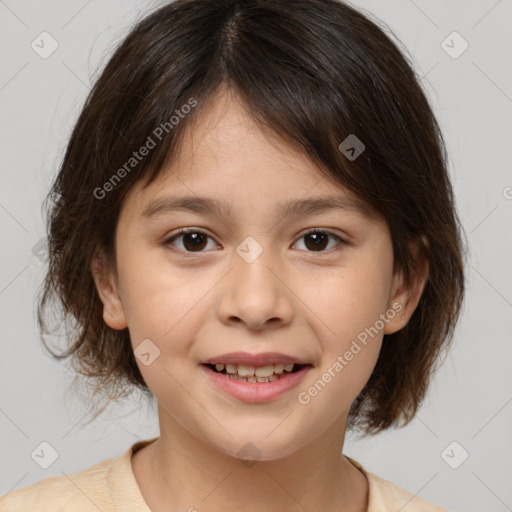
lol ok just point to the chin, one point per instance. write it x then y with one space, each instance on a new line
250 449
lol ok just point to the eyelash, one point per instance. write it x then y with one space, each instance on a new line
185 231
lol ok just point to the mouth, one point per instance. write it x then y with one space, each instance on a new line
256 378
255 384
250 373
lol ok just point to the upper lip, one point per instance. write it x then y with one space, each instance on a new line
263 359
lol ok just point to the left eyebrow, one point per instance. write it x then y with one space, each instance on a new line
317 205
292 208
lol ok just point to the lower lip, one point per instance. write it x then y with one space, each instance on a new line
253 392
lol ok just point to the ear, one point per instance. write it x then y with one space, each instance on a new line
104 278
405 296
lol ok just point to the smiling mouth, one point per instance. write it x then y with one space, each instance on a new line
247 373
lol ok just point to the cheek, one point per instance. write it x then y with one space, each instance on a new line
156 295
348 304
349 299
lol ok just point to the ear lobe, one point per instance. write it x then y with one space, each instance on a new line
408 294
104 279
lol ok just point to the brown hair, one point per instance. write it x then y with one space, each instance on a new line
312 72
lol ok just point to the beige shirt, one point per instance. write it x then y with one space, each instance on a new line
110 486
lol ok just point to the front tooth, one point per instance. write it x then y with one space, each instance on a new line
231 368
265 371
245 370
288 367
278 368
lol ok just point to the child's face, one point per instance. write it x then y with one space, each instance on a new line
215 299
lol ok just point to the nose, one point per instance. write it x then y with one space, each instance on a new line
256 294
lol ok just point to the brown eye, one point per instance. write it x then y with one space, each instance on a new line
196 241
193 240
317 240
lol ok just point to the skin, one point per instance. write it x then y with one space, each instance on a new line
291 299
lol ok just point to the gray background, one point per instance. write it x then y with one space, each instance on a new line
470 400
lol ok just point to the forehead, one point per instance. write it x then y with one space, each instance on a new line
224 131
225 159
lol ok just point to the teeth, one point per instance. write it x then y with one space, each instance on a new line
263 372
231 368
278 368
235 376
245 370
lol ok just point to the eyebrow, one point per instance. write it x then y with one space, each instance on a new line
292 208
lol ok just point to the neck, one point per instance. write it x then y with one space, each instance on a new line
195 475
